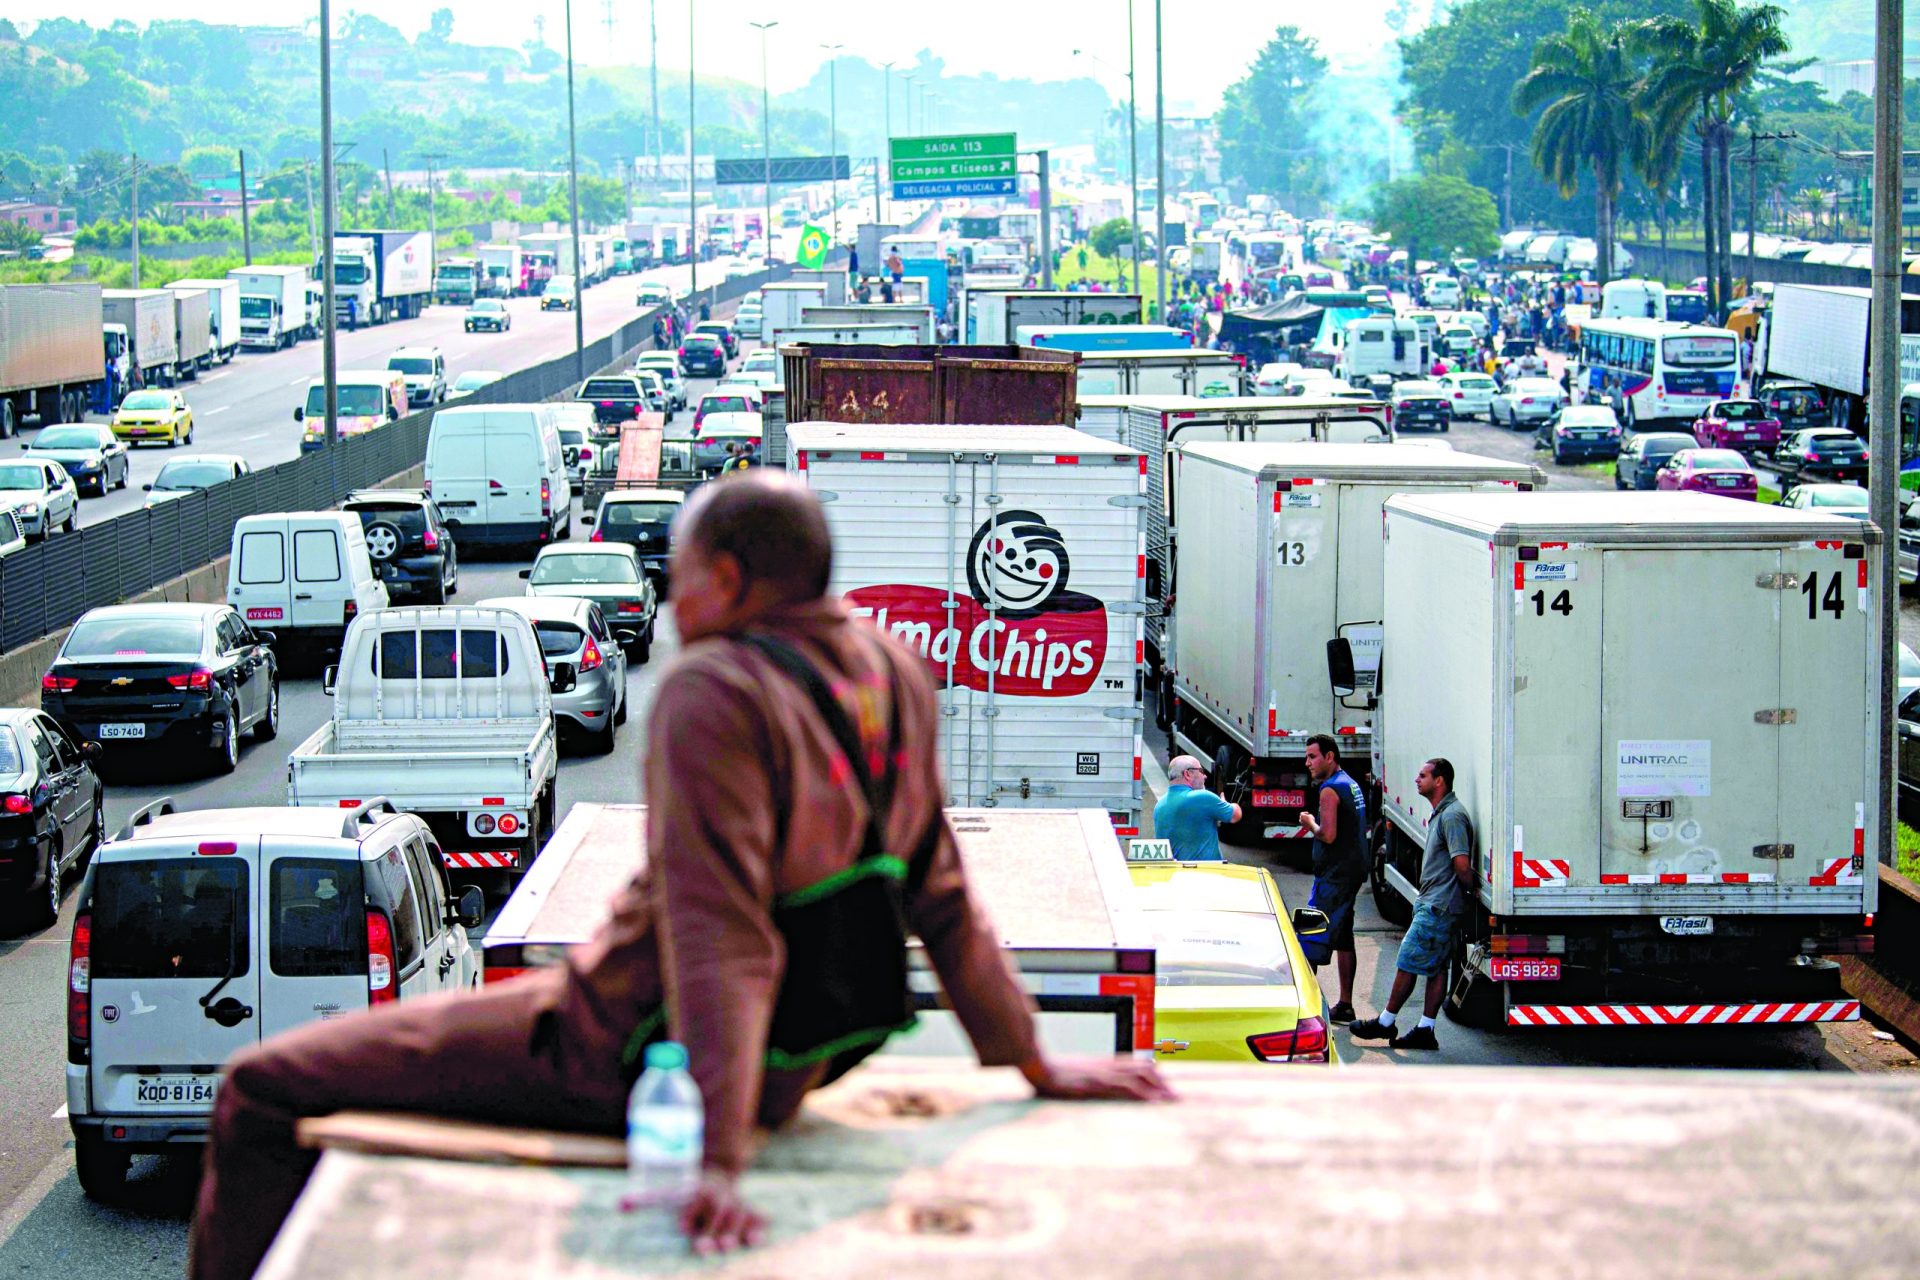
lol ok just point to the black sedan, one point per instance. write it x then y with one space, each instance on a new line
408 543
89 451
51 810
1642 457
189 678
490 314
1822 453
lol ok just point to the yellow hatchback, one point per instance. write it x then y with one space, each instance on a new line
1233 984
154 414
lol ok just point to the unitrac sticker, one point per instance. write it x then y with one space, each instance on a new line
1018 628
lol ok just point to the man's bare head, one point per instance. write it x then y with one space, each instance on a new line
747 543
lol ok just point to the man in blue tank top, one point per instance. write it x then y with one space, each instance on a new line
1337 820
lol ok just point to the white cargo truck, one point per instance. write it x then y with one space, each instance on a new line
1184 371
273 306
833 279
898 334
1010 556
52 362
1818 334
857 313
1280 551
223 300
192 331
996 315
447 711
781 305
1159 426
1661 713
145 317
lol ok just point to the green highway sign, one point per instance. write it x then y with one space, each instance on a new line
970 164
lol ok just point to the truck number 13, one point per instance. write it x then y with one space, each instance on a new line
1828 601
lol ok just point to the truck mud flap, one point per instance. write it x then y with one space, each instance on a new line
483 860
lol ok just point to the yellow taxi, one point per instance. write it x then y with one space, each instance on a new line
1233 984
155 413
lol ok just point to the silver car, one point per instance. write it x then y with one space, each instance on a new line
1525 400
574 633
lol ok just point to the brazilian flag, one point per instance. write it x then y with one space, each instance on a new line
813 247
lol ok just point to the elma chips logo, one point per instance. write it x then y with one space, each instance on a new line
1019 625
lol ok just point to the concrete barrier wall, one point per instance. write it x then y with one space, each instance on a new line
1679 266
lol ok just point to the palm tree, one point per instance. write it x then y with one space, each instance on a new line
1701 69
1585 78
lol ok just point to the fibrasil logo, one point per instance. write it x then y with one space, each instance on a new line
1019 627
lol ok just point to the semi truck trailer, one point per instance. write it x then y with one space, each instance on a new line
52 363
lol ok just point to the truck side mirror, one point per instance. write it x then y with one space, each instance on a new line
299 413
1340 667
329 679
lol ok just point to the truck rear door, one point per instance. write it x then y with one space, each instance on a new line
1689 768
171 926
320 583
1824 626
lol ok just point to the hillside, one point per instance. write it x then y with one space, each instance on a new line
1837 30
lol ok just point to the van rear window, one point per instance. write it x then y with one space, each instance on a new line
317 922
171 918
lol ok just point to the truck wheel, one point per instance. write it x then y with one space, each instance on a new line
1393 908
9 425
1473 999
102 1167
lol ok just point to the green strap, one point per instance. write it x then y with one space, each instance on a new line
637 1042
778 1060
885 864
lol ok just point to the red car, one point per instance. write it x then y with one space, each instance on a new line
1716 471
1319 280
1737 424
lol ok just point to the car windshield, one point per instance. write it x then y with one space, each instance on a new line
726 404
170 918
147 400
489 304
408 517
10 761
357 400
1475 384
1536 387
1219 949
68 438
1741 410
1797 400
1909 664
609 389
192 475
555 570
558 639
1718 460
22 475
1664 446
574 436
133 637
472 381
1837 444
628 515
1839 498
1581 415
411 364
702 341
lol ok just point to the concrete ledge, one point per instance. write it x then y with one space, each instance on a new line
1888 981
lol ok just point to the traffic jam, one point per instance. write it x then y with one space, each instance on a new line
1313 665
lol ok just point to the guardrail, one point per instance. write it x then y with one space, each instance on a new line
45 587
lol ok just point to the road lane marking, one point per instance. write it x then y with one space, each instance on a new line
222 409
297 381
213 377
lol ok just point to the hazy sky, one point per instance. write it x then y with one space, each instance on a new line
1206 48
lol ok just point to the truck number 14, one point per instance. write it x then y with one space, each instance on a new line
1561 604
1829 601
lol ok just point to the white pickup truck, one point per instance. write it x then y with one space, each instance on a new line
448 713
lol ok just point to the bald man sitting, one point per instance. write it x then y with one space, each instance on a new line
1190 815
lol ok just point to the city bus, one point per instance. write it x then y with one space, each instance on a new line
1206 211
1655 370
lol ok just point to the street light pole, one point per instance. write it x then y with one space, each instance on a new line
1883 405
329 358
1159 167
833 129
573 203
906 99
1133 148
766 140
883 176
693 197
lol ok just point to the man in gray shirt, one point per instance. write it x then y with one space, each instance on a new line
1446 886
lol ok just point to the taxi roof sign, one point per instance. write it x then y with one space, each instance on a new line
1150 851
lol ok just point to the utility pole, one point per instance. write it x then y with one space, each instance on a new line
386 164
573 210
1160 167
1046 223
766 139
653 71
1753 192
313 236
1883 363
833 129
693 198
246 223
433 222
136 217
906 98
1133 147
329 357
883 176
1506 193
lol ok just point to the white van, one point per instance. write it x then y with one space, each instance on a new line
304 575
1441 291
498 474
201 934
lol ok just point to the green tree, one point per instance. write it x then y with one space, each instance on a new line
1702 68
212 161
1438 213
1586 80
17 237
1264 116
439 32
1111 238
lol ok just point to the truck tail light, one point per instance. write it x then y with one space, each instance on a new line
80 979
381 961
591 659
1527 944
483 824
1858 944
200 678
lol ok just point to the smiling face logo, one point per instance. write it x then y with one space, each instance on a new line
1017 561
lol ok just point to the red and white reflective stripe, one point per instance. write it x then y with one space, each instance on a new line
1057 460
1139 751
1863 583
1537 873
1143 473
507 859
1727 877
802 458
1140 641
1838 871
1286 833
1680 1015
1273 717
1519 579
1141 571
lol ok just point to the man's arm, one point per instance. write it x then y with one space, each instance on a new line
1326 828
1227 811
1457 831
710 843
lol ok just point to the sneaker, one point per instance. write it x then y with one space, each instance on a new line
1341 1014
1418 1038
1370 1030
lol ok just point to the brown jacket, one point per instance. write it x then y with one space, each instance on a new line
735 748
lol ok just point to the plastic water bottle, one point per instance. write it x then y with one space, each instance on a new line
666 1131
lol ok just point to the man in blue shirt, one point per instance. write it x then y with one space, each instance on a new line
1189 815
